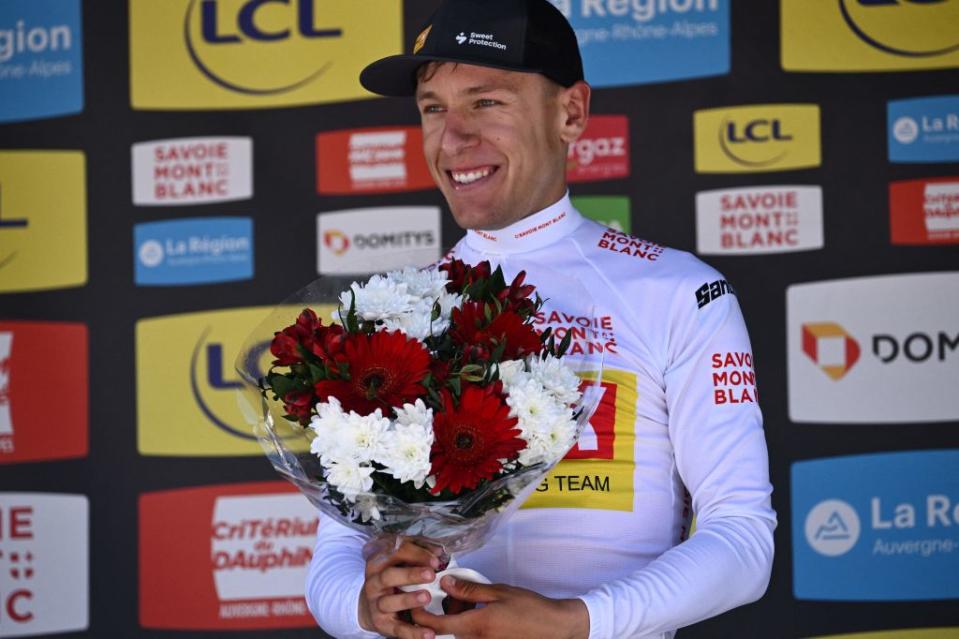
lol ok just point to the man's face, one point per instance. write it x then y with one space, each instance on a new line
492 141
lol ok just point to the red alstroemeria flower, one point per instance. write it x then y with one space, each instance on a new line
323 341
461 274
471 439
516 297
298 404
385 371
479 338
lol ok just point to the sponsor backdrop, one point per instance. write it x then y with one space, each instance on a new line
171 170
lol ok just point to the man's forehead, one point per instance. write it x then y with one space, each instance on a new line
469 78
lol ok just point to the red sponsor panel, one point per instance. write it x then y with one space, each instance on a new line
243 550
924 211
602 152
29 351
372 160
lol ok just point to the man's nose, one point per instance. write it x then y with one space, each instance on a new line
459 133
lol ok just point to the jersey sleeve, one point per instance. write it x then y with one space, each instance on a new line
335 579
715 426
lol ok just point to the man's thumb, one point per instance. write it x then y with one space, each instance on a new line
468 590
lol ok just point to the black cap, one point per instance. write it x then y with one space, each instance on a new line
516 35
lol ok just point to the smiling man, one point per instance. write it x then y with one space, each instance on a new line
501 94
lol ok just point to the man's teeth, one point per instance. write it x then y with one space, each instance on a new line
467 177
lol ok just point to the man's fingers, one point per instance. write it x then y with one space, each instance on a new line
402 630
402 601
398 577
469 590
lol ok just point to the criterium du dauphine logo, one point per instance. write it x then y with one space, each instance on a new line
832 527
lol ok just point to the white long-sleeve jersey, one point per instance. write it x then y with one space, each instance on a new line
679 431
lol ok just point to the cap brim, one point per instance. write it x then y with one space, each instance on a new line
395 76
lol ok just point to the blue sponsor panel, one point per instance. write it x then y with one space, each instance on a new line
924 129
41 59
193 251
882 527
627 42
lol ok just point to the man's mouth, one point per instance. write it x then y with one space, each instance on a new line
468 177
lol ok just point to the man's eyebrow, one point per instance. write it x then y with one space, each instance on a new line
482 88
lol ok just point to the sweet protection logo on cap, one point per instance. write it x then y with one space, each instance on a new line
831 347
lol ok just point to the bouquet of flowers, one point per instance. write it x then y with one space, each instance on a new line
428 407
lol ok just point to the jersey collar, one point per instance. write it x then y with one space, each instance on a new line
532 232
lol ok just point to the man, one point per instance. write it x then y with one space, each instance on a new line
500 89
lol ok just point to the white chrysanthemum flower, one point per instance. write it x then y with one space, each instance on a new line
379 299
531 402
350 478
556 377
448 302
405 453
422 283
512 372
548 440
344 436
416 324
416 413
366 507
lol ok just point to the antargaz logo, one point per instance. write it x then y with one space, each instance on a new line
830 347
249 30
909 28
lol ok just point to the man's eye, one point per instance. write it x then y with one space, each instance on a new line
486 102
432 108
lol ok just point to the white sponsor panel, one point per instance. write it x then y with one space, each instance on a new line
874 349
44 564
262 545
192 171
359 241
758 220
941 206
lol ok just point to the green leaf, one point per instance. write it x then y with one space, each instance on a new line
282 385
563 345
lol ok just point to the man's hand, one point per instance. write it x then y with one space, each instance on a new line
382 606
508 613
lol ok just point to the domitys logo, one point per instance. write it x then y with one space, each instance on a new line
830 347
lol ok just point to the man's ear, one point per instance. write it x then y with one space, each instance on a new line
574 109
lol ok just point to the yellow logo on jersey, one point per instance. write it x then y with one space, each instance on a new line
601 480
869 35
760 138
924 633
210 54
187 388
43 220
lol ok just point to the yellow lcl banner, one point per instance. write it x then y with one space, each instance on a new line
188 393
43 220
757 138
236 54
850 35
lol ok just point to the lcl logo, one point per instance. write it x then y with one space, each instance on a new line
908 28
758 131
227 22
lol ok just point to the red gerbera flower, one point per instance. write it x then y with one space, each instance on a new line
385 370
479 337
472 438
